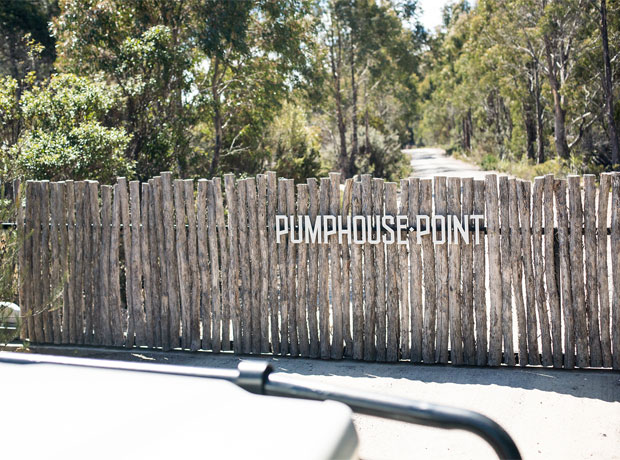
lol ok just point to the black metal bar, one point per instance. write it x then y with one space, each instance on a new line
401 409
257 377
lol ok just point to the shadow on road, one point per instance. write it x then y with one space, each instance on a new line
598 384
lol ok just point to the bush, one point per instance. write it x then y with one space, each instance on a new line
294 146
88 151
64 133
489 162
385 158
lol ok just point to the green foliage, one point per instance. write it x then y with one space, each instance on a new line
92 88
63 132
254 55
368 54
86 151
489 162
24 32
384 158
145 49
67 100
294 146
486 82
9 114
524 168
200 81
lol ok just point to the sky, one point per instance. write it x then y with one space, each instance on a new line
431 13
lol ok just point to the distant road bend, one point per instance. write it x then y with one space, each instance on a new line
427 162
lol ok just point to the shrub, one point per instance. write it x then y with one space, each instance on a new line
489 162
385 158
87 151
65 133
294 145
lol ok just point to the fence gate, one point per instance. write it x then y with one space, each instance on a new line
475 272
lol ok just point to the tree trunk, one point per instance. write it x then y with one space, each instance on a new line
470 129
467 131
366 123
366 135
217 119
559 114
354 141
336 65
529 119
608 88
540 141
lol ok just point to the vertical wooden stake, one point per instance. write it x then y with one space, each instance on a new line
495 270
576 270
603 268
391 280
335 271
524 208
441 269
370 290
356 275
313 272
454 272
550 272
380 311
516 228
591 260
467 269
480 275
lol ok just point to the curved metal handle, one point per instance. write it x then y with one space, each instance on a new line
263 381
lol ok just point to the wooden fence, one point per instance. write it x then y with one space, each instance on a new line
169 264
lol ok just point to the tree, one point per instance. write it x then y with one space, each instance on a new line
521 70
294 145
252 55
146 49
23 24
608 87
368 50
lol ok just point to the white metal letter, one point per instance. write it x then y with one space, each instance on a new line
418 227
279 230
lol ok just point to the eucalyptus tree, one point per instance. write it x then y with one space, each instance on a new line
22 26
253 53
560 24
527 70
200 79
607 82
147 49
370 48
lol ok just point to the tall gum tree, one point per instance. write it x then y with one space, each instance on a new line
607 80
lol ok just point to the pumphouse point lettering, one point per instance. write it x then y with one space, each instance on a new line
378 229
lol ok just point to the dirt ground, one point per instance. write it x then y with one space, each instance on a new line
428 162
550 413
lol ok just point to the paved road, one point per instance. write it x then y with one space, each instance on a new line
550 413
428 162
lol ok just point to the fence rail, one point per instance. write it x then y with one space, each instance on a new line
179 264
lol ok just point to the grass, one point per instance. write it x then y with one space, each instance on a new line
523 168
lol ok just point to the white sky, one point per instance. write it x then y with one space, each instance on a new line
431 12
